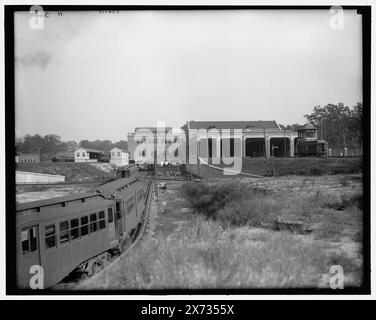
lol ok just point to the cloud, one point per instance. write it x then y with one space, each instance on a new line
39 58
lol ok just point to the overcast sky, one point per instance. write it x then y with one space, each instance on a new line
97 76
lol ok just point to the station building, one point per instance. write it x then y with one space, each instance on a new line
142 144
256 139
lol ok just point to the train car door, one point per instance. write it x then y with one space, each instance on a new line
111 224
29 255
118 219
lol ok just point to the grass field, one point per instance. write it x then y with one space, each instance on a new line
285 166
218 234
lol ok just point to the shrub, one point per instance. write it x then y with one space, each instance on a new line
251 211
208 198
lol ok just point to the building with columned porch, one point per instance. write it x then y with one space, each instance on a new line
257 138
252 139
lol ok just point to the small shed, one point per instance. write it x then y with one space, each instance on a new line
88 155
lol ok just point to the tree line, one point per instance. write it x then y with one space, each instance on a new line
49 145
339 125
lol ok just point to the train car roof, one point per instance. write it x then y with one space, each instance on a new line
52 201
116 185
101 191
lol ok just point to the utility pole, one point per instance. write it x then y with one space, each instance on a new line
284 142
266 158
155 177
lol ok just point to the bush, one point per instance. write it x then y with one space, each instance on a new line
209 198
250 211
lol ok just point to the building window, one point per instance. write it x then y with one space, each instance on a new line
77 154
118 154
83 154
50 236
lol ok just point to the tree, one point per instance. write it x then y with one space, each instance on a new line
339 125
71 146
122 144
84 144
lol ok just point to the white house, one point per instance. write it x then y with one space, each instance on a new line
119 157
87 155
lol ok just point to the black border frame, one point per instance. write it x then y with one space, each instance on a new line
10 187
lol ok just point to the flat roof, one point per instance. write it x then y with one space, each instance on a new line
270 124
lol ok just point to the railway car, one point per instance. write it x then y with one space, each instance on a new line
311 148
65 233
308 144
127 171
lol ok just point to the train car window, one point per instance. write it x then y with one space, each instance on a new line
140 195
84 226
25 241
110 215
102 221
33 239
130 205
118 210
64 233
29 240
50 236
93 223
75 230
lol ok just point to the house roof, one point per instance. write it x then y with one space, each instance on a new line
307 126
27 154
91 150
122 150
233 125
153 129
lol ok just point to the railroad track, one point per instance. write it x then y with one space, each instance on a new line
80 283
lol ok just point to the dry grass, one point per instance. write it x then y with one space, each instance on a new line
337 213
205 255
221 245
